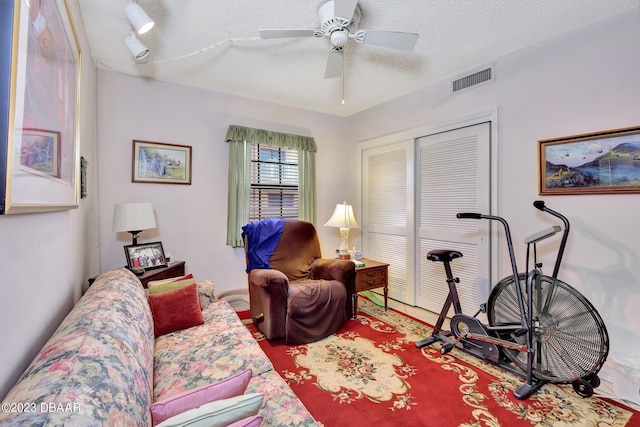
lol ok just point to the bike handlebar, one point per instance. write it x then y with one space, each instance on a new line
469 215
507 232
539 204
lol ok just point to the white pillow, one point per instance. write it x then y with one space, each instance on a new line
219 413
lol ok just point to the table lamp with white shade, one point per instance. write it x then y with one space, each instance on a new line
344 219
133 218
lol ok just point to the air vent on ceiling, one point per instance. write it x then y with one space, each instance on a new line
472 79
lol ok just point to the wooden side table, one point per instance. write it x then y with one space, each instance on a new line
174 269
373 275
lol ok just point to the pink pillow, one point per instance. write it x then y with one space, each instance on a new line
233 386
176 310
248 422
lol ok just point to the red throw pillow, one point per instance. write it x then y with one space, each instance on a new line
176 310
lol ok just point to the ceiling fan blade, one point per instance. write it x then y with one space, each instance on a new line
391 39
344 8
279 34
334 64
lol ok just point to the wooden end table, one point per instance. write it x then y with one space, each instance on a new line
174 269
373 275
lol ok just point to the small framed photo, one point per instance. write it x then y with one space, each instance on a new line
605 162
40 151
160 163
147 256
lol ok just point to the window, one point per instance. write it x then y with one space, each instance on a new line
274 183
271 174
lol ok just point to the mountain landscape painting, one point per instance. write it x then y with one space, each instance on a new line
604 162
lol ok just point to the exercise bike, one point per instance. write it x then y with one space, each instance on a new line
541 329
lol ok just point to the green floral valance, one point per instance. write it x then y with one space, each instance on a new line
273 139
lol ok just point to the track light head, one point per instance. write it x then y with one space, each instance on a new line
135 46
138 17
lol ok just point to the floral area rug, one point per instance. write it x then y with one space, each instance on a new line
371 374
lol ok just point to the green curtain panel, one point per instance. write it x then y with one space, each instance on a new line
239 189
240 140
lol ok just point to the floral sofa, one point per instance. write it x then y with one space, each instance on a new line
103 365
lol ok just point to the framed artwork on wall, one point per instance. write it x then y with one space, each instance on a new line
147 256
83 177
606 162
160 163
39 151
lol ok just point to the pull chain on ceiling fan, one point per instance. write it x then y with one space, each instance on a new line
339 22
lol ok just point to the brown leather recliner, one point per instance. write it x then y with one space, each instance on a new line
302 298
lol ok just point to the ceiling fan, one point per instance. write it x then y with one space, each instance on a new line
339 22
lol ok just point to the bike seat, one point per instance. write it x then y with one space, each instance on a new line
444 255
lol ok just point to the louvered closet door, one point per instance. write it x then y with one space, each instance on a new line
388 231
453 176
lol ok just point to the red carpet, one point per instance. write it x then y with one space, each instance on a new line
371 373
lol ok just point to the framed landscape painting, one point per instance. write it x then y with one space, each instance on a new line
594 163
161 163
40 90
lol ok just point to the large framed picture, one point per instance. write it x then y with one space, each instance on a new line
147 256
161 163
605 162
39 123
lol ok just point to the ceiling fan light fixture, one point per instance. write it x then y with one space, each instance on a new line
136 47
339 38
339 20
138 17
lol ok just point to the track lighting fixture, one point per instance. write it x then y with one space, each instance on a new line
135 46
138 17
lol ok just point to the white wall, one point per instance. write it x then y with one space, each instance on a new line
45 258
582 82
192 218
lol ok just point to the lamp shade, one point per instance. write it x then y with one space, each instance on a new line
138 17
133 217
343 217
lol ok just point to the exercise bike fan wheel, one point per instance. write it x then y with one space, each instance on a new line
570 341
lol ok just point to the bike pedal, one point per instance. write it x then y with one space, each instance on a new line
483 307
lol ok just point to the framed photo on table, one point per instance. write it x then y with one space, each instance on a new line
606 162
147 256
39 114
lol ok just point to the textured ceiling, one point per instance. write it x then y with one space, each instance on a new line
215 44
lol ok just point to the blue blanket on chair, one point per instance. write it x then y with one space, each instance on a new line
262 238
